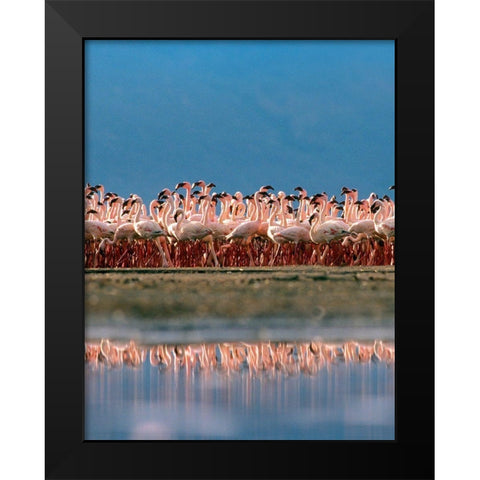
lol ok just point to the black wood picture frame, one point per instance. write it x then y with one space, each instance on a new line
411 25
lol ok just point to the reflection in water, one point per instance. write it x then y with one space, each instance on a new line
256 356
261 391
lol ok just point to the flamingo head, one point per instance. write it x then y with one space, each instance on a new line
302 193
318 198
312 217
178 212
164 192
376 206
226 195
182 185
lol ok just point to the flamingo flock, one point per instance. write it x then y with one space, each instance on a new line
256 357
191 226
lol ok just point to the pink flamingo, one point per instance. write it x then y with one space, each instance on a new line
325 232
150 230
384 226
247 230
193 230
188 230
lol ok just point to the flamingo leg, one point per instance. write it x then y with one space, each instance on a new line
214 255
249 251
164 244
121 258
158 243
274 255
324 256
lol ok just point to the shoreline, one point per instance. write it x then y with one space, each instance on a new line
196 304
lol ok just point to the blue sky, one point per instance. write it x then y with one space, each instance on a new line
241 114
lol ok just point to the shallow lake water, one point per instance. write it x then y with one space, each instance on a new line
340 402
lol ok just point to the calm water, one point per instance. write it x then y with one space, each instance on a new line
342 401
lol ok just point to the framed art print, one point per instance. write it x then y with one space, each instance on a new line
239 292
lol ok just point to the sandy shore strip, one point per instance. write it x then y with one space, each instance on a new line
208 305
306 292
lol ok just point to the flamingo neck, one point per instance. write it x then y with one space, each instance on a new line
100 198
176 201
258 208
180 218
283 211
348 207
113 212
250 209
90 202
205 209
264 212
316 222
168 210
223 211
211 213
300 209
273 213
139 211
239 211
391 209
380 215
321 214
152 211
188 196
